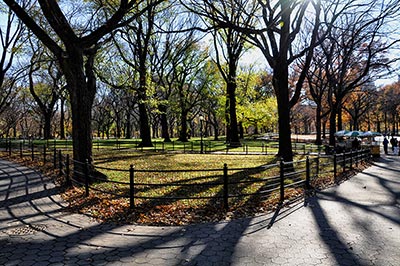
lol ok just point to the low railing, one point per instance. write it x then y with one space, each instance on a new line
247 147
221 186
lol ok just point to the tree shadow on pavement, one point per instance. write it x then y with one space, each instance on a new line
76 241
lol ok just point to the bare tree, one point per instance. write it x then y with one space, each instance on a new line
10 36
276 33
355 51
229 46
133 44
168 50
75 50
44 80
317 90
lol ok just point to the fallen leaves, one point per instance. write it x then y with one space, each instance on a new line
106 208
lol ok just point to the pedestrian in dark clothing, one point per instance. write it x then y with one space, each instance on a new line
392 143
385 145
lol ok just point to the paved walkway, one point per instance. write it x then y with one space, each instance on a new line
356 223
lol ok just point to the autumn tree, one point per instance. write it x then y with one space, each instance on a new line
355 50
134 45
390 100
317 91
169 45
44 82
229 47
256 102
74 43
359 102
277 33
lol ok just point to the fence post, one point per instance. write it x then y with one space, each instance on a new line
334 166
308 173
344 161
351 159
226 193
32 151
357 157
87 178
162 145
282 181
54 158
60 160
317 168
9 147
44 154
131 187
20 149
69 183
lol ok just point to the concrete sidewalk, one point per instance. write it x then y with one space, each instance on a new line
356 223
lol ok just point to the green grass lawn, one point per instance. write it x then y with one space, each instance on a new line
164 177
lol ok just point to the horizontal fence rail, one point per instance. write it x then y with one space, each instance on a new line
248 147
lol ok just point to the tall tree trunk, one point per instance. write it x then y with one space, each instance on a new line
62 119
47 116
81 83
144 125
281 84
118 125
183 133
234 140
128 133
164 123
332 125
318 140
339 118
227 120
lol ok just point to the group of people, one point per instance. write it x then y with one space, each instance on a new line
394 144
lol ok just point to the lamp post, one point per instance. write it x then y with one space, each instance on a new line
201 134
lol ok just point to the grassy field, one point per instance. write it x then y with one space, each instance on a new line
166 174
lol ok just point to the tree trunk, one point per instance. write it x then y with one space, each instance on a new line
82 89
128 133
47 116
144 125
234 140
184 129
62 119
339 118
281 86
318 140
227 120
164 123
145 132
332 126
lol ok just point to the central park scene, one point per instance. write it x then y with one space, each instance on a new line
179 112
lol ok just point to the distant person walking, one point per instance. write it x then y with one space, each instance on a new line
385 145
396 147
392 143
